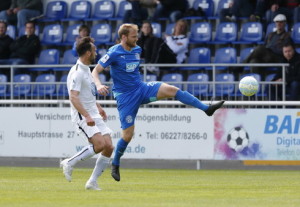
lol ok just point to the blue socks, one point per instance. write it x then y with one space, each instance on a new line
188 99
121 147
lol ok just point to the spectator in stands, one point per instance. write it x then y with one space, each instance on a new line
168 8
84 31
149 44
271 51
179 40
275 7
141 10
22 11
292 75
5 42
26 47
236 9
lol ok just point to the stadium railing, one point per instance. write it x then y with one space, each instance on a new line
236 101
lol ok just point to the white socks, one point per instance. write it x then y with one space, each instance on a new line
84 154
101 164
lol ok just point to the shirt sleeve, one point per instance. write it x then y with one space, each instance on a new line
106 60
76 80
177 48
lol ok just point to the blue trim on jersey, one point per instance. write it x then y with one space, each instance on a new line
124 68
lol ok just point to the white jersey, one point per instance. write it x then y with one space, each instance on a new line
80 79
179 45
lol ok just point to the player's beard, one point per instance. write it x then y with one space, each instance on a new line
92 59
131 44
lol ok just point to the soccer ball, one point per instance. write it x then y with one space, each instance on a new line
238 139
248 86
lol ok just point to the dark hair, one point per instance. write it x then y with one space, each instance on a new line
84 27
4 22
148 22
289 44
84 45
30 22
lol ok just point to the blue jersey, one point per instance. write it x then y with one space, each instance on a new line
124 68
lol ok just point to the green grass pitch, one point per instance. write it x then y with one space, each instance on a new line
140 188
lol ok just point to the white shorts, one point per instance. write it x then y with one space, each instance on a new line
89 131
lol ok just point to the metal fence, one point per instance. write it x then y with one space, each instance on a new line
9 97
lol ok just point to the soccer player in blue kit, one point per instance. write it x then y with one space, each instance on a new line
130 91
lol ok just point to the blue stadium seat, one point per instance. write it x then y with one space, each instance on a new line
272 28
200 32
67 59
52 34
55 10
226 32
102 33
103 10
45 85
19 87
80 10
170 28
11 31
207 6
71 34
198 55
22 31
62 89
245 52
225 55
251 33
122 8
47 57
173 77
222 4
296 33
227 88
156 29
3 86
149 77
198 88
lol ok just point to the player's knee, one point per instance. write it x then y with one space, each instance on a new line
98 146
109 148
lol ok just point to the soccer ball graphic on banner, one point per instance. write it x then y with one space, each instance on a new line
248 86
237 139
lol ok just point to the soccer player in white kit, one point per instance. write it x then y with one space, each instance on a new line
87 115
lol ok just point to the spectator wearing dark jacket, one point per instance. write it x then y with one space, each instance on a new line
271 51
292 75
274 7
25 49
149 43
5 41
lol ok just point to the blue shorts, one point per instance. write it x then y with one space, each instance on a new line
129 103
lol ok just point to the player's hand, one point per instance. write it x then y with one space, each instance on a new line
90 121
103 90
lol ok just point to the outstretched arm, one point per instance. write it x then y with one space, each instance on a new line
102 89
